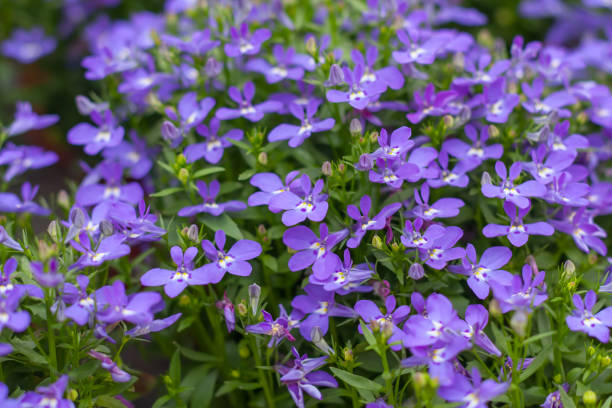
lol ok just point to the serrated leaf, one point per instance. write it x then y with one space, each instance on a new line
206 171
166 192
356 381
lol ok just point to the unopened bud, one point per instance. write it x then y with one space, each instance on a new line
592 258
377 242
532 262
311 46
193 233
365 162
485 179
326 168
591 351
262 158
261 230
243 351
52 230
63 199
72 394
420 379
242 309
180 160
605 361
336 76
185 300
569 269
171 133
183 175
355 127
374 137
582 118
347 354
493 131
518 322
416 271
317 339
341 168
448 121
494 309
254 294
107 228
589 398
212 67
86 106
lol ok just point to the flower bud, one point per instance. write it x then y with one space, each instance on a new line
377 242
185 300
582 118
374 137
493 131
557 378
532 262
591 351
193 233
326 168
72 394
183 175
395 247
261 230
605 361
242 309
485 179
589 398
420 379
336 76
347 354
52 230
85 106
494 309
341 168
63 199
569 268
416 271
449 121
262 158
254 294
107 228
317 339
518 322
171 133
355 127
365 162
212 67
243 350
311 46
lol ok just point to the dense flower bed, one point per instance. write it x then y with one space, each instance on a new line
368 203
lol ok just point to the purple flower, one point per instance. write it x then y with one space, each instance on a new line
559 141
7 286
430 103
580 225
346 278
11 203
440 359
5 401
135 156
497 104
175 281
446 177
360 94
232 261
23 158
212 148
289 65
394 172
395 146
313 250
6 240
26 119
246 109
582 318
105 134
562 190
109 365
481 272
413 238
299 377
379 403
552 103
472 392
443 208
209 193
153 326
319 305
521 294
82 305
194 43
245 43
517 232
190 112
472 156
227 307
477 65
309 204
48 396
508 191
393 317
270 185
419 49
112 191
51 278
28 46
108 248
477 317
436 325
114 305
546 166
364 222
442 249
297 134
278 329
10 317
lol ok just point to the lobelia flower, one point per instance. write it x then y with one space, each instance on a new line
246 109
212 149
346 278
442 249
419 49
552 103
553 400
227 307
270 185
299 377
23 158
310 203
476 65
522 294
583 319
51 278
26 119
7 241
497 104
245 43
545 166
580 225
10 317
135 156
26 46
11 203
232 261
562 190
114 305
289 65
390 76
7 286
371 315
559 141
445 177
48 396
109 365
209 193
297 134
359 94
5 401
379 403
477 317
364 223
522 56
195 43
430 103
136 227
190 112
105 134
175 281
313 250
413 238
481 272
472 392
516 194
472 156
319 305
153 326
85 105
395 146
278 329
443 208
111 191
108 248
393 172
82 305
517 232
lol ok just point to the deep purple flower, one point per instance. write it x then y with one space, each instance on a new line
582 318
136 227
552 103
371 315
498 104
313 250
278 329
212 149
436 325
289 65
175 281
480 272
545 166
430 103
246 109
442 249
109 365
10 202
232 261
106 133
22 158
48 396
28 46
270 185
10 317
108 248
390 76
472 156
319 305
114 305
517 195
517 232
364 222
7 286
456 177
227 307
472 392
245 43
153 326
413 238
359 93
443 208
395 146
209 194
522 294
299 377
190 112
297 134
310 203
82 304
26 119
346 278
6 240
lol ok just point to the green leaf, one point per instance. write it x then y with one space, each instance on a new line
223 222
247 174
106 401
166 192
535 365
367 333
231 385
206 171
356 381
185 323
161 401
203 395
175 367
565 399
165 167
608 403
83 371
198 355
539 336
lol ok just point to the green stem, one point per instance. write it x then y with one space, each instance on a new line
387 373
263 379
